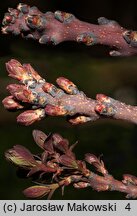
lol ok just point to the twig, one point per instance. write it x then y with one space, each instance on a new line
57 27
58 160
41 98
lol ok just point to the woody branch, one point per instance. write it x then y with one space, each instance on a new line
57 27
39 99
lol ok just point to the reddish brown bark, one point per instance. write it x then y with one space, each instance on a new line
57 27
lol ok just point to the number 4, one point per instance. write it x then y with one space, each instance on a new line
128 207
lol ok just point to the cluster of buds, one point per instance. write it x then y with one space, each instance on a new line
31 23
56 27
40 98
35 94
105 105
23 19
57 167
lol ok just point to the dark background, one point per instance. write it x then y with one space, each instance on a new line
93 71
